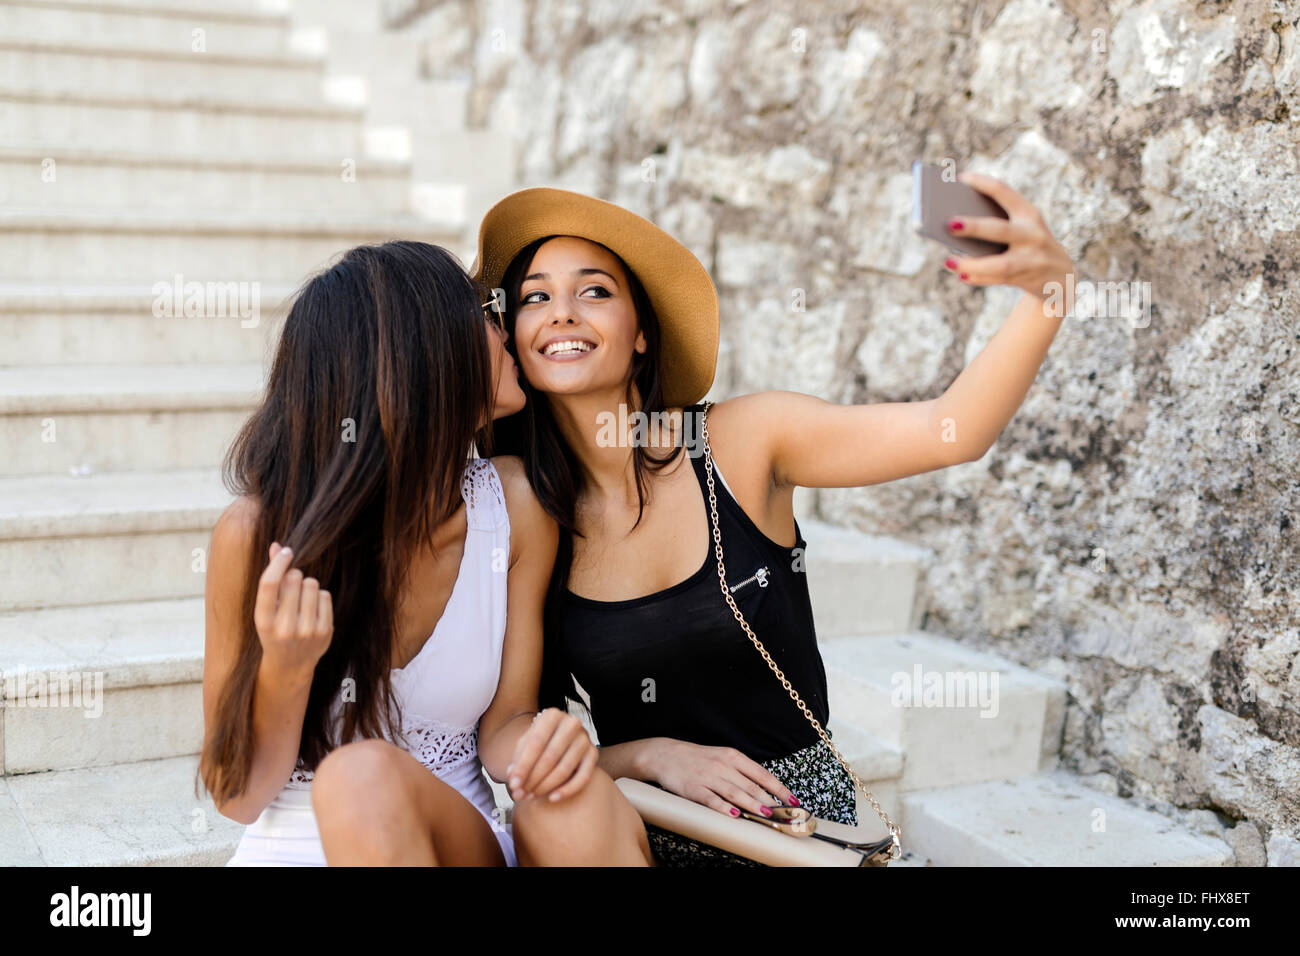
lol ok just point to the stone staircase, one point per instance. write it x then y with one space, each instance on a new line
147 146
971 772
128 159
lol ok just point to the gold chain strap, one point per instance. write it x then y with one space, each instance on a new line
897 849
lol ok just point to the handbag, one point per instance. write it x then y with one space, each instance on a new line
832 844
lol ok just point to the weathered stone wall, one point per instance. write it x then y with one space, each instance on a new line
1131 531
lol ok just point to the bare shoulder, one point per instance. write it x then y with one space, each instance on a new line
237 525
521 500
761 417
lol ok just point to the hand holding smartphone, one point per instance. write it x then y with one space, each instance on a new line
935 201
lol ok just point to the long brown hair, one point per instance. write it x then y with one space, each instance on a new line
553 469
382 376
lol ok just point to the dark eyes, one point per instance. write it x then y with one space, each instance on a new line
530 298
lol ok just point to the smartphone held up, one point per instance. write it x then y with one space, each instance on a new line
936 200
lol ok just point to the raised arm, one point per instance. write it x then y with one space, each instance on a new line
294 622
817 444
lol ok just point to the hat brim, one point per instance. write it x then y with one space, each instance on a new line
680 289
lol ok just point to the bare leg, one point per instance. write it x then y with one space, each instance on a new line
596 827
376 805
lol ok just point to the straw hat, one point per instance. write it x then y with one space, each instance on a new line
677 283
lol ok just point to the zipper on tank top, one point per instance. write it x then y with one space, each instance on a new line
760 576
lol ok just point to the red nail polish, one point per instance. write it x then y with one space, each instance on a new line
767 811
955 225
794 801
964 277
734 812
950 263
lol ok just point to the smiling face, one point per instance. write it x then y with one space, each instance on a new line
576 326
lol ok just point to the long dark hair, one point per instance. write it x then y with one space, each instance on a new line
553 469
382 375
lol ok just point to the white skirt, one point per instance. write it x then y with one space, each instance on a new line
285 834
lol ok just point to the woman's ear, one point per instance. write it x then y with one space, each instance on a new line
640 344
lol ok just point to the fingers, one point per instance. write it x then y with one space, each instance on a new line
987 227
325 615
743 793
580 777
563 729
1002 194
307 609
769 783
268 589
286 615
564 767
715 802
528 749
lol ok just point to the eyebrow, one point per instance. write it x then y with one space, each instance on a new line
577 272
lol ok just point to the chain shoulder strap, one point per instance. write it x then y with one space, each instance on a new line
894 831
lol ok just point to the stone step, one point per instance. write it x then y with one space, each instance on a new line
134 814
87 177
103 325
229 28
134 536
860 583
77 420
133 69
1048 819
101 685
1000 719
88 246
396 93
184 123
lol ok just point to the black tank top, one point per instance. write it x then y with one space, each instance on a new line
678 664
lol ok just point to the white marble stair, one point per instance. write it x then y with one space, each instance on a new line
101 684
1048 819
135 536
231 26
219 246
89 177
860 583
133 68
66 419
133 814
187 123
94 325
949 739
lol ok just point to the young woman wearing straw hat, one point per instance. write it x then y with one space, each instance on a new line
609 316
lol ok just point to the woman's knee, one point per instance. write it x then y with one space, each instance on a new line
364 774
598 801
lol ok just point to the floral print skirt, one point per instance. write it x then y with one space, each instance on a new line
812 774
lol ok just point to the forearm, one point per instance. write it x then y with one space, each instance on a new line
279 707
981 401
631 759
496 750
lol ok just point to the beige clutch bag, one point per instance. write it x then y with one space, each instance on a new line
812 842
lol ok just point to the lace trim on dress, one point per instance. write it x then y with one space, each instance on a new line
440 746
484 495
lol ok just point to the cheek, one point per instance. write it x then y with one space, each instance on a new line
525 329
621 329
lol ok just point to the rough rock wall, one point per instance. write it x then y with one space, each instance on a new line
1131 531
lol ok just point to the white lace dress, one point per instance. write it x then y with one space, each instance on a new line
443 691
